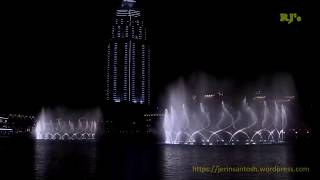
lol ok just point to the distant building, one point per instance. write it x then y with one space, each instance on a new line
127 68
151 120
128 120
5 128
16 124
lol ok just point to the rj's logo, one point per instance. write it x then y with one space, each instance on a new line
289 17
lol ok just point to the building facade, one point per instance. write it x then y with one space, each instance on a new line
127 68
16 124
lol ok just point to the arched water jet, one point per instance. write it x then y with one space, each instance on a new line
239 132
62 128
210 114
176 126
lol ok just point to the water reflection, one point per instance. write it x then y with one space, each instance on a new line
85 160
109 160
178 161
65 160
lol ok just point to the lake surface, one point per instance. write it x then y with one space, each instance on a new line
92 160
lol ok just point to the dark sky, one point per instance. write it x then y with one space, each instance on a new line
52 53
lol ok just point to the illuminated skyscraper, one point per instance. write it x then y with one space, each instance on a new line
127 69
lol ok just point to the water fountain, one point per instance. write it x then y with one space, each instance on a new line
207 119
66 125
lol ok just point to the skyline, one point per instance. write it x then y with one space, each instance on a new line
66 49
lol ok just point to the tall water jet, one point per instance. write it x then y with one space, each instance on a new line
208 118
67 125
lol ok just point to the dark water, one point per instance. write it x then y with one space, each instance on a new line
91 160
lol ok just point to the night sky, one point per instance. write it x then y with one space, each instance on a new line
52 53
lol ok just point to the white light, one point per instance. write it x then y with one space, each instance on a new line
4 129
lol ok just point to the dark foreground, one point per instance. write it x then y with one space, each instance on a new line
28 159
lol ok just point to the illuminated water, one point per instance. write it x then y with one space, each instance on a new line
198 113
89 160
209 125
67 125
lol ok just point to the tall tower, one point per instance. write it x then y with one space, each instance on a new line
127 68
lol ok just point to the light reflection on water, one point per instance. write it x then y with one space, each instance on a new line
54 159
178 160
90 160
